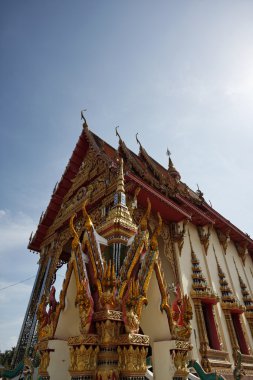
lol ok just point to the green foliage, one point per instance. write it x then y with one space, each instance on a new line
6 357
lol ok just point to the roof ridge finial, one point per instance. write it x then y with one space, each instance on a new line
83 118
117 133
168 152
138 141
171 168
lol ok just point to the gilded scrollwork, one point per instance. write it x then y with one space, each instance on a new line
101 315
134 339
180 358
85 303
87 339
132 359
83 358
108 331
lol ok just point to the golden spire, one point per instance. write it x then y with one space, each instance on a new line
119 226
120 183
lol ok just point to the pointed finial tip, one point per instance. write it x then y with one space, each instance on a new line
138 141
117 133
82 115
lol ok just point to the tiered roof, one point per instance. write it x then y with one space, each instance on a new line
168 194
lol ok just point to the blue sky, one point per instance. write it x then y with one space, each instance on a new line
178 72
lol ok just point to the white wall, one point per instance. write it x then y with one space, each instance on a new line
69 321
59 360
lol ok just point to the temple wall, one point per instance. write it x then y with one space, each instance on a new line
209 269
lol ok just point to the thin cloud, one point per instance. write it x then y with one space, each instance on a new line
15 229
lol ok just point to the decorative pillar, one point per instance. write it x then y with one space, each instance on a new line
232 310
44 361
204 299
248 301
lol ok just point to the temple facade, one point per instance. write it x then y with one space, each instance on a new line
158 283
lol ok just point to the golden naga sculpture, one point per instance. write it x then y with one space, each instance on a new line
88 224
75 241
88 221
144 219
85 303
181 316
46 319
132 306
153 241
107 287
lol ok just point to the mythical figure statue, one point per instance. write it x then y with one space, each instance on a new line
52 304
46 318
107 288
43 318
42 314
86 305
131 307
181 315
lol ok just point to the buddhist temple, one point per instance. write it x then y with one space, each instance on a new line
158 284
